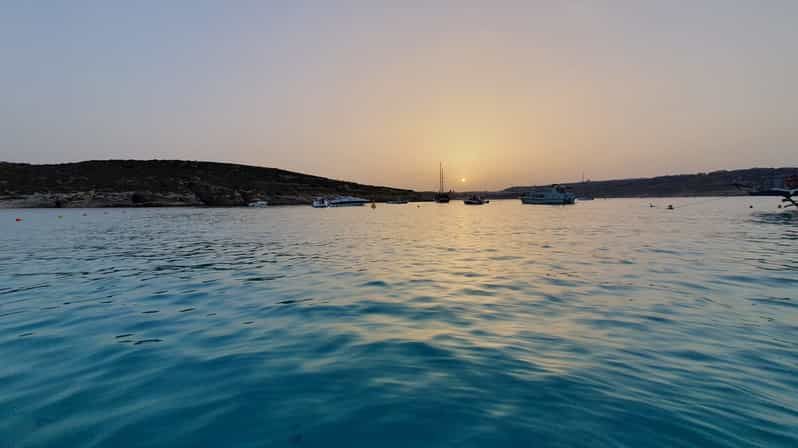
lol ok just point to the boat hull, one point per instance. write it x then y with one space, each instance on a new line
347 204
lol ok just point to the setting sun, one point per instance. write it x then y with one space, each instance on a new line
463 180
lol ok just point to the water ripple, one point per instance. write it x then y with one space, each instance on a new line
603 324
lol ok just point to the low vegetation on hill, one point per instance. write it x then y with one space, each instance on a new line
110 183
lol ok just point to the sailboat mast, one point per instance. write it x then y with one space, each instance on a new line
440 177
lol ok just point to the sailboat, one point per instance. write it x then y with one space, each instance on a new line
441 196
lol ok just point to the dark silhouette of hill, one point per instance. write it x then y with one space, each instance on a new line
109 183
716 183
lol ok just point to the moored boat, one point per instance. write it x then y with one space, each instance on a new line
475 200
442 197
339 201
551 195
346 201
258 204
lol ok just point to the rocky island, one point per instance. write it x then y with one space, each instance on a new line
166 183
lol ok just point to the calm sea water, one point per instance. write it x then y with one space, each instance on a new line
607 323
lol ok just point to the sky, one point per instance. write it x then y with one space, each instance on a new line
503 93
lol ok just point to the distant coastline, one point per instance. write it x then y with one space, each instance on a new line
172 183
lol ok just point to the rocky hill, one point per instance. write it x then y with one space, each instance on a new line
126 183
716 183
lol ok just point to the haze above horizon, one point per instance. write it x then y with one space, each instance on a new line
516 93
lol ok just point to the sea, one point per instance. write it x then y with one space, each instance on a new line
608 323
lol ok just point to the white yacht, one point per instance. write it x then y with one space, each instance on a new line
347 201
339 201
551 195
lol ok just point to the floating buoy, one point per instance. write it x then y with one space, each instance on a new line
373 205
18 220
670 206
750 206
59 216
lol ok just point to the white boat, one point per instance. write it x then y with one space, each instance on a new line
339 201
346 201
475 200
258 204
551 195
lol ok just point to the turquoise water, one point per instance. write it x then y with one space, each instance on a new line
607 323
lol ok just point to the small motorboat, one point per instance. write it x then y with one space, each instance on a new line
258 204
320 203
475 200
